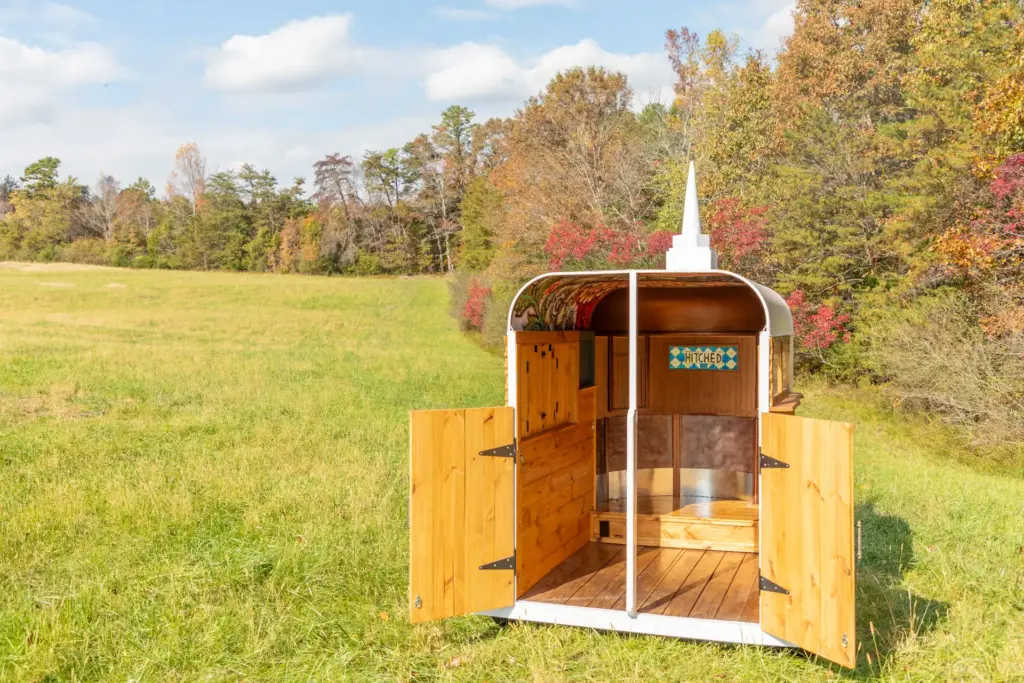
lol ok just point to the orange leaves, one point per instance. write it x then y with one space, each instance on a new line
188 176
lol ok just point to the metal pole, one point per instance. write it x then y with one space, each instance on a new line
631 452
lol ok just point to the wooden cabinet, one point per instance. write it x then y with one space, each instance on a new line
549 381
618 394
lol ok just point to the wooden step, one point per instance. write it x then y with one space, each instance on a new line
708 525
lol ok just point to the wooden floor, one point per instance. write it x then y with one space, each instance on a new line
703 584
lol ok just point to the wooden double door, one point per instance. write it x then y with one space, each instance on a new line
462 524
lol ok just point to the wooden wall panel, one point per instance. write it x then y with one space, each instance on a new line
703 392
678 532
556 497
618 391
722 308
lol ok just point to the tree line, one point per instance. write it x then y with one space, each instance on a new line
872 172
392 211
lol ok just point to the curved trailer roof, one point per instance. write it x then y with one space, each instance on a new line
565 301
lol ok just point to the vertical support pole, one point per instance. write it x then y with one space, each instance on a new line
511 370
512 389
631 450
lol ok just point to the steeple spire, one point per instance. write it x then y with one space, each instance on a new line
691 249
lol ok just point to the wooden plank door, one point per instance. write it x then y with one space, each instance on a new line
807 535
461 513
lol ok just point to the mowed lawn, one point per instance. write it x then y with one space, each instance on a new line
204 477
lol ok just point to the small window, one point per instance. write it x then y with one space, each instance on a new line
781 371
587 360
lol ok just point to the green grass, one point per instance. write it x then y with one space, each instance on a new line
204 476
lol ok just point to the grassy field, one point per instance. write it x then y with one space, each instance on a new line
204 476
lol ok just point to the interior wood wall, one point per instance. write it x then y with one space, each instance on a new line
723 308
702 392
556 494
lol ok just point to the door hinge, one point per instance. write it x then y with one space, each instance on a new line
768 462
507 563
506 451
771 586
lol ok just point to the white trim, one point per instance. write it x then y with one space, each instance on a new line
651 624
512 376
764 376
631 450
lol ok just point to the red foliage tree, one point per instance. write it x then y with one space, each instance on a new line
738 232
816 329
571 246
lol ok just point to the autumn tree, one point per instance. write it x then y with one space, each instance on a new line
100 212
188 176
335 192
723 118
574 153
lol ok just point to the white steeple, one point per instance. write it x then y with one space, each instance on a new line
691 250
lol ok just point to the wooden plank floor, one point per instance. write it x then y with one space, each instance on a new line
703 584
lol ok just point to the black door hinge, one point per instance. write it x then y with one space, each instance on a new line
507 563
507 451
771 586
768 462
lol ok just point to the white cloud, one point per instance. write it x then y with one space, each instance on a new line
775 27
519 4
297 55
308 54
32 78
473 71
459 14
141 139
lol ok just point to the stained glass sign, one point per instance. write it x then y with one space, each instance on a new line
703 357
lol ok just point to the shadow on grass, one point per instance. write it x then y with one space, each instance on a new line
888 614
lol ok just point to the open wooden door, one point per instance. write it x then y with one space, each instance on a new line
461 512
807 561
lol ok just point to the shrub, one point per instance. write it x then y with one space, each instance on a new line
92 251
935 357
476 304
470 300
367 264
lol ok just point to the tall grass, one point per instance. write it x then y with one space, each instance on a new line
204 476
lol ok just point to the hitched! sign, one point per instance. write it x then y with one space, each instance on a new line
703 357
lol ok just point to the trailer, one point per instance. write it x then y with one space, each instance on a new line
648 473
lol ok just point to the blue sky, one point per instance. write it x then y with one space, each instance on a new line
115 87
